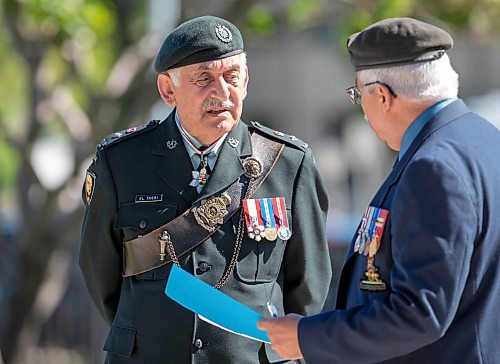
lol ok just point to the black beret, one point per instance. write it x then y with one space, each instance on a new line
396 42
202 39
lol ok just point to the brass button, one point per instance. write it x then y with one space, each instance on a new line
198 343
205 267
143 223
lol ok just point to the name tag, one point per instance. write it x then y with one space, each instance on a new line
149 198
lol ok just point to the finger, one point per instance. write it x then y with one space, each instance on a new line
263 324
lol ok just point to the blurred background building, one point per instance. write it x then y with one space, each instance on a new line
73 71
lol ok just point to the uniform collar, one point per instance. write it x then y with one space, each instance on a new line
190 142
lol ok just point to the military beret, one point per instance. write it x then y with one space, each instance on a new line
396 42
202 39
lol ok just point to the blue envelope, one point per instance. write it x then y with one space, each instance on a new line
213 306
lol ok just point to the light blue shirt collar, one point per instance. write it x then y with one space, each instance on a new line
212 157
417 125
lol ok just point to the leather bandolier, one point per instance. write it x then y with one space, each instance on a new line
200 221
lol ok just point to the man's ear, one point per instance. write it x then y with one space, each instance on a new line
165 87
245 84
385 96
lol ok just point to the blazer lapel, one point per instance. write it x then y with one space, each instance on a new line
174 165
228 167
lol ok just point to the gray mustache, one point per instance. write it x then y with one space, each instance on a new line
217 103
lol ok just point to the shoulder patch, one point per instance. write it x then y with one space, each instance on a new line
275 134
121 135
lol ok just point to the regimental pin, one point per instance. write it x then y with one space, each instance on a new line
233 142
279 133
223 33
210 214
293 137
373 282
171 144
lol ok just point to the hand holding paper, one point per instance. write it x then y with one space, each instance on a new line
283 332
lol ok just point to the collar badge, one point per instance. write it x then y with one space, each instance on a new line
233 142
171 144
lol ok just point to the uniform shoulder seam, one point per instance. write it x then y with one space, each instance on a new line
119 136
288 139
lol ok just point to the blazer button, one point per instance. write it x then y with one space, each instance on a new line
198 343
143 223
205 267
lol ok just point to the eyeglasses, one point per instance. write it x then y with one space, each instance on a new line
355 94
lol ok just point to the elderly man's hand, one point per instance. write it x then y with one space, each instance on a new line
284 335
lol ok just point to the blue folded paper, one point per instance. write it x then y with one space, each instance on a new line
213 306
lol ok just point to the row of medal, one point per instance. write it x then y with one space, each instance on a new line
266 218
370 231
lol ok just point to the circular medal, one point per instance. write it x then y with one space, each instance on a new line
271 233
284 233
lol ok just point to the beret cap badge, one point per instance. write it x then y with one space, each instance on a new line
223 33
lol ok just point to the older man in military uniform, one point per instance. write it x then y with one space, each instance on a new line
242 207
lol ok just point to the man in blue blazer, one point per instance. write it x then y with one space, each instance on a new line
421 281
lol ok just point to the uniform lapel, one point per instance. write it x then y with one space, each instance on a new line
174 166
228 167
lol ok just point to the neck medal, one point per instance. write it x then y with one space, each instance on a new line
200 177
368 242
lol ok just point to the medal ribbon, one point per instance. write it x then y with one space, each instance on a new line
366 231
267 206
255 227
280 206
364 221
247 213
373 219
379 230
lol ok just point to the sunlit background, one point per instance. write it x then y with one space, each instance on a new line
73 71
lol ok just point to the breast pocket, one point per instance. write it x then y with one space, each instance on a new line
136 219
260 262
139 218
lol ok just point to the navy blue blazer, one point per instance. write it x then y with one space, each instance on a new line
439 257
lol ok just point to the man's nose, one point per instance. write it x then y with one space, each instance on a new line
221 89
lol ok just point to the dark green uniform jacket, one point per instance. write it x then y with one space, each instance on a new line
146 325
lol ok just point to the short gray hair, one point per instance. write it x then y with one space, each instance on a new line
176 76
420 82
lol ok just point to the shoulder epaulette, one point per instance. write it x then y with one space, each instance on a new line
122 135
288 139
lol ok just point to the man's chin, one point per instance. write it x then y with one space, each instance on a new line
221 121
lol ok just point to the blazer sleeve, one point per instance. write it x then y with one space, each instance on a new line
100 255
307 260
433 228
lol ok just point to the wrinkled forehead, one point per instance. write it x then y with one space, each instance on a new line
219 65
